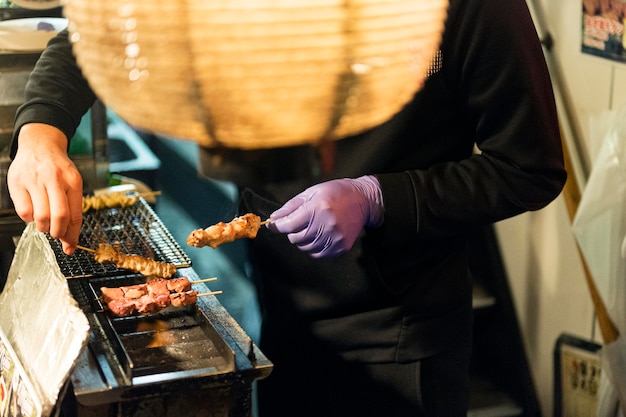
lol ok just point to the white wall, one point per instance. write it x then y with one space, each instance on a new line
539 251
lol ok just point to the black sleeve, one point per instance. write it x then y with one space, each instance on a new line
494 66
56 92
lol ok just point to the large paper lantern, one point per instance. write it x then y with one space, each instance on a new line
255 74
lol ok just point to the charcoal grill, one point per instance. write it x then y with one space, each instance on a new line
182 361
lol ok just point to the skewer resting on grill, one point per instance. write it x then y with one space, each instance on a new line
109 200
140 264
151 297
246 226
178 284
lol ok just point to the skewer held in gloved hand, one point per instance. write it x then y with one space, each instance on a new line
246 226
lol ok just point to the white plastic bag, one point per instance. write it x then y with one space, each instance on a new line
600 228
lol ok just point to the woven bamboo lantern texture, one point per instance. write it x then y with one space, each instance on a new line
255 74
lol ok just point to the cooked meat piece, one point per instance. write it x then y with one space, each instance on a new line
147 305
110 294
158 290
184 298
181 284
162 300
134 291
121 308
158 286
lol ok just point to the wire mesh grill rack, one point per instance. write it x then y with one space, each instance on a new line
134 230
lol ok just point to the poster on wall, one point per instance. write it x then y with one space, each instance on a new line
17 396
603 29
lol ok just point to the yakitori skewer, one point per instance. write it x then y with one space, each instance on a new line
115 199
155 286
140 264
246 226
151 297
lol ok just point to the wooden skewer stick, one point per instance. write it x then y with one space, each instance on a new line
85 249
209 293
266 222
145 194
149 194
203 280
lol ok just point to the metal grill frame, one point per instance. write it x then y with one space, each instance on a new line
106 379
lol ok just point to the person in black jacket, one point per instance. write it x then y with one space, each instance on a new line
363 272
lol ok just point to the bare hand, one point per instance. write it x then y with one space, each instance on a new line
45 185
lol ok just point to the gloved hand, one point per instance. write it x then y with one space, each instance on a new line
326 219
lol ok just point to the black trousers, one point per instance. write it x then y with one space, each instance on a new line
309 381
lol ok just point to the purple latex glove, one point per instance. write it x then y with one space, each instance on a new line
326 219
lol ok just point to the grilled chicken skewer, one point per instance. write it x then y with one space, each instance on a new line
108 200
246 226
136 263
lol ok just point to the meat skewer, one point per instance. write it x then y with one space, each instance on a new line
246 226
158 285
152 297
140 264
150 304
109 200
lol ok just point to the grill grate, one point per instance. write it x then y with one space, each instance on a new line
136 229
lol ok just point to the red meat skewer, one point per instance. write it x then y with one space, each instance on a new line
151 297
